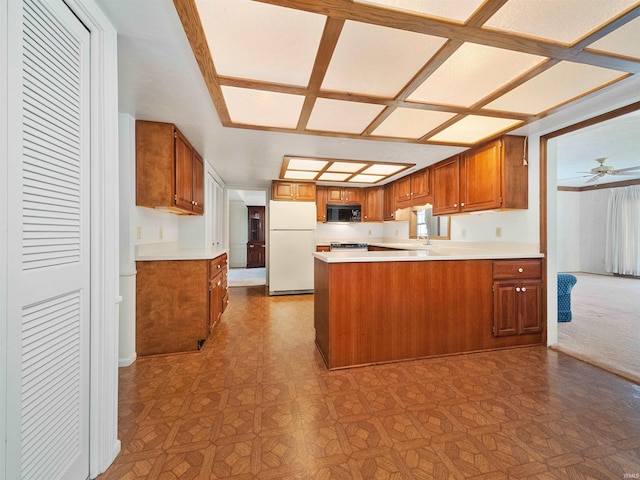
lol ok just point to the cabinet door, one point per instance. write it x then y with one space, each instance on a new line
255 255
529 300
372 209
505 309
482 180
282 191
215 300
334 194
446 180
184 174
389 210
321 204
352 196
403 189
306 192
420 185
198 183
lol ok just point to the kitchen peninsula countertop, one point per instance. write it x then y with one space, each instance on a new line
173 251
414 251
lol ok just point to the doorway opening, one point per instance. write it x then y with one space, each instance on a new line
247 259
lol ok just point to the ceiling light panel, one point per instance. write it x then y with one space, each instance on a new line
472 73
267 109
411 123
474 128
383 169
375 60
334 177
565 21
561 83
349 167
340 116
299 175
306 164
261 42
624 41
458 10
366 178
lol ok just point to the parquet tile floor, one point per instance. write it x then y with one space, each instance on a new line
258 402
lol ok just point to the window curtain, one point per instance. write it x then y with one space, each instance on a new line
622 254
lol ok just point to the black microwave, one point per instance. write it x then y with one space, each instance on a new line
344 213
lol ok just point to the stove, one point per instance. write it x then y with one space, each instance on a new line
348 247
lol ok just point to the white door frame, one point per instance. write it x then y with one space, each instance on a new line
104 444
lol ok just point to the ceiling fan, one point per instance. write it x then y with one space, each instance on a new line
601 170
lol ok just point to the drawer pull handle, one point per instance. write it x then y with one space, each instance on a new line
521 269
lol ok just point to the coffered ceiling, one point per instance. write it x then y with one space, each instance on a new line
417 71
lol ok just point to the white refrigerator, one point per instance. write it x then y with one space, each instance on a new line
292 241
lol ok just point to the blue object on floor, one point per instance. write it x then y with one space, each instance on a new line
566 281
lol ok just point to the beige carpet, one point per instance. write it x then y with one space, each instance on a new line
605 330
246 277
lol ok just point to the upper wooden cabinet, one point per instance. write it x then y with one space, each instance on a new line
414 189
389 202
169 171
321 203
296 191
446 181
346 195
372 208
492 176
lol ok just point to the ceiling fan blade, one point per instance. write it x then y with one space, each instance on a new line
571 178
593 179
628 169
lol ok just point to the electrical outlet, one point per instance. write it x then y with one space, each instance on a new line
160 233
369 232
396 233
139 233
463 232
498 232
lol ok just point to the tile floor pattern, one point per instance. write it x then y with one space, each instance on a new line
257 402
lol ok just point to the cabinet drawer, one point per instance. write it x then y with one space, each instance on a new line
530 268
217 264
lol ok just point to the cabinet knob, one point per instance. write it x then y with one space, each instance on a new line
517 289
521 270
218 266
462 204
455 204
196 204
524 289
219 283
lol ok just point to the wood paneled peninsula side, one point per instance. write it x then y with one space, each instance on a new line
181 295
385 306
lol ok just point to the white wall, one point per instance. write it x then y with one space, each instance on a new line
238 225
569 244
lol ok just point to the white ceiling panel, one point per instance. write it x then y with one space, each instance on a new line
411 123
472 73
564 21
624 41
339 116
474 128
257 107
254 40
458 10
306 164
561 83
376 60
300 175
334 177
366 178
346 167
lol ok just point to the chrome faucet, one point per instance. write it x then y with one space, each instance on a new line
427 240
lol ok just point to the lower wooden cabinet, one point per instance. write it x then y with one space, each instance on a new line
176 307
255 255
517 297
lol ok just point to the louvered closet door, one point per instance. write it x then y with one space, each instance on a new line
49 271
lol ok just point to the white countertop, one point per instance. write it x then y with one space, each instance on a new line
173 251
413 251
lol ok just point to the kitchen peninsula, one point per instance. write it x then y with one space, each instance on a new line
383 306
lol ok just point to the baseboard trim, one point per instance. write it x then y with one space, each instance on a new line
125 362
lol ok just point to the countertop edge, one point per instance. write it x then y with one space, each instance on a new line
414 256
159 254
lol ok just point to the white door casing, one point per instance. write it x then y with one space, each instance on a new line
48 305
